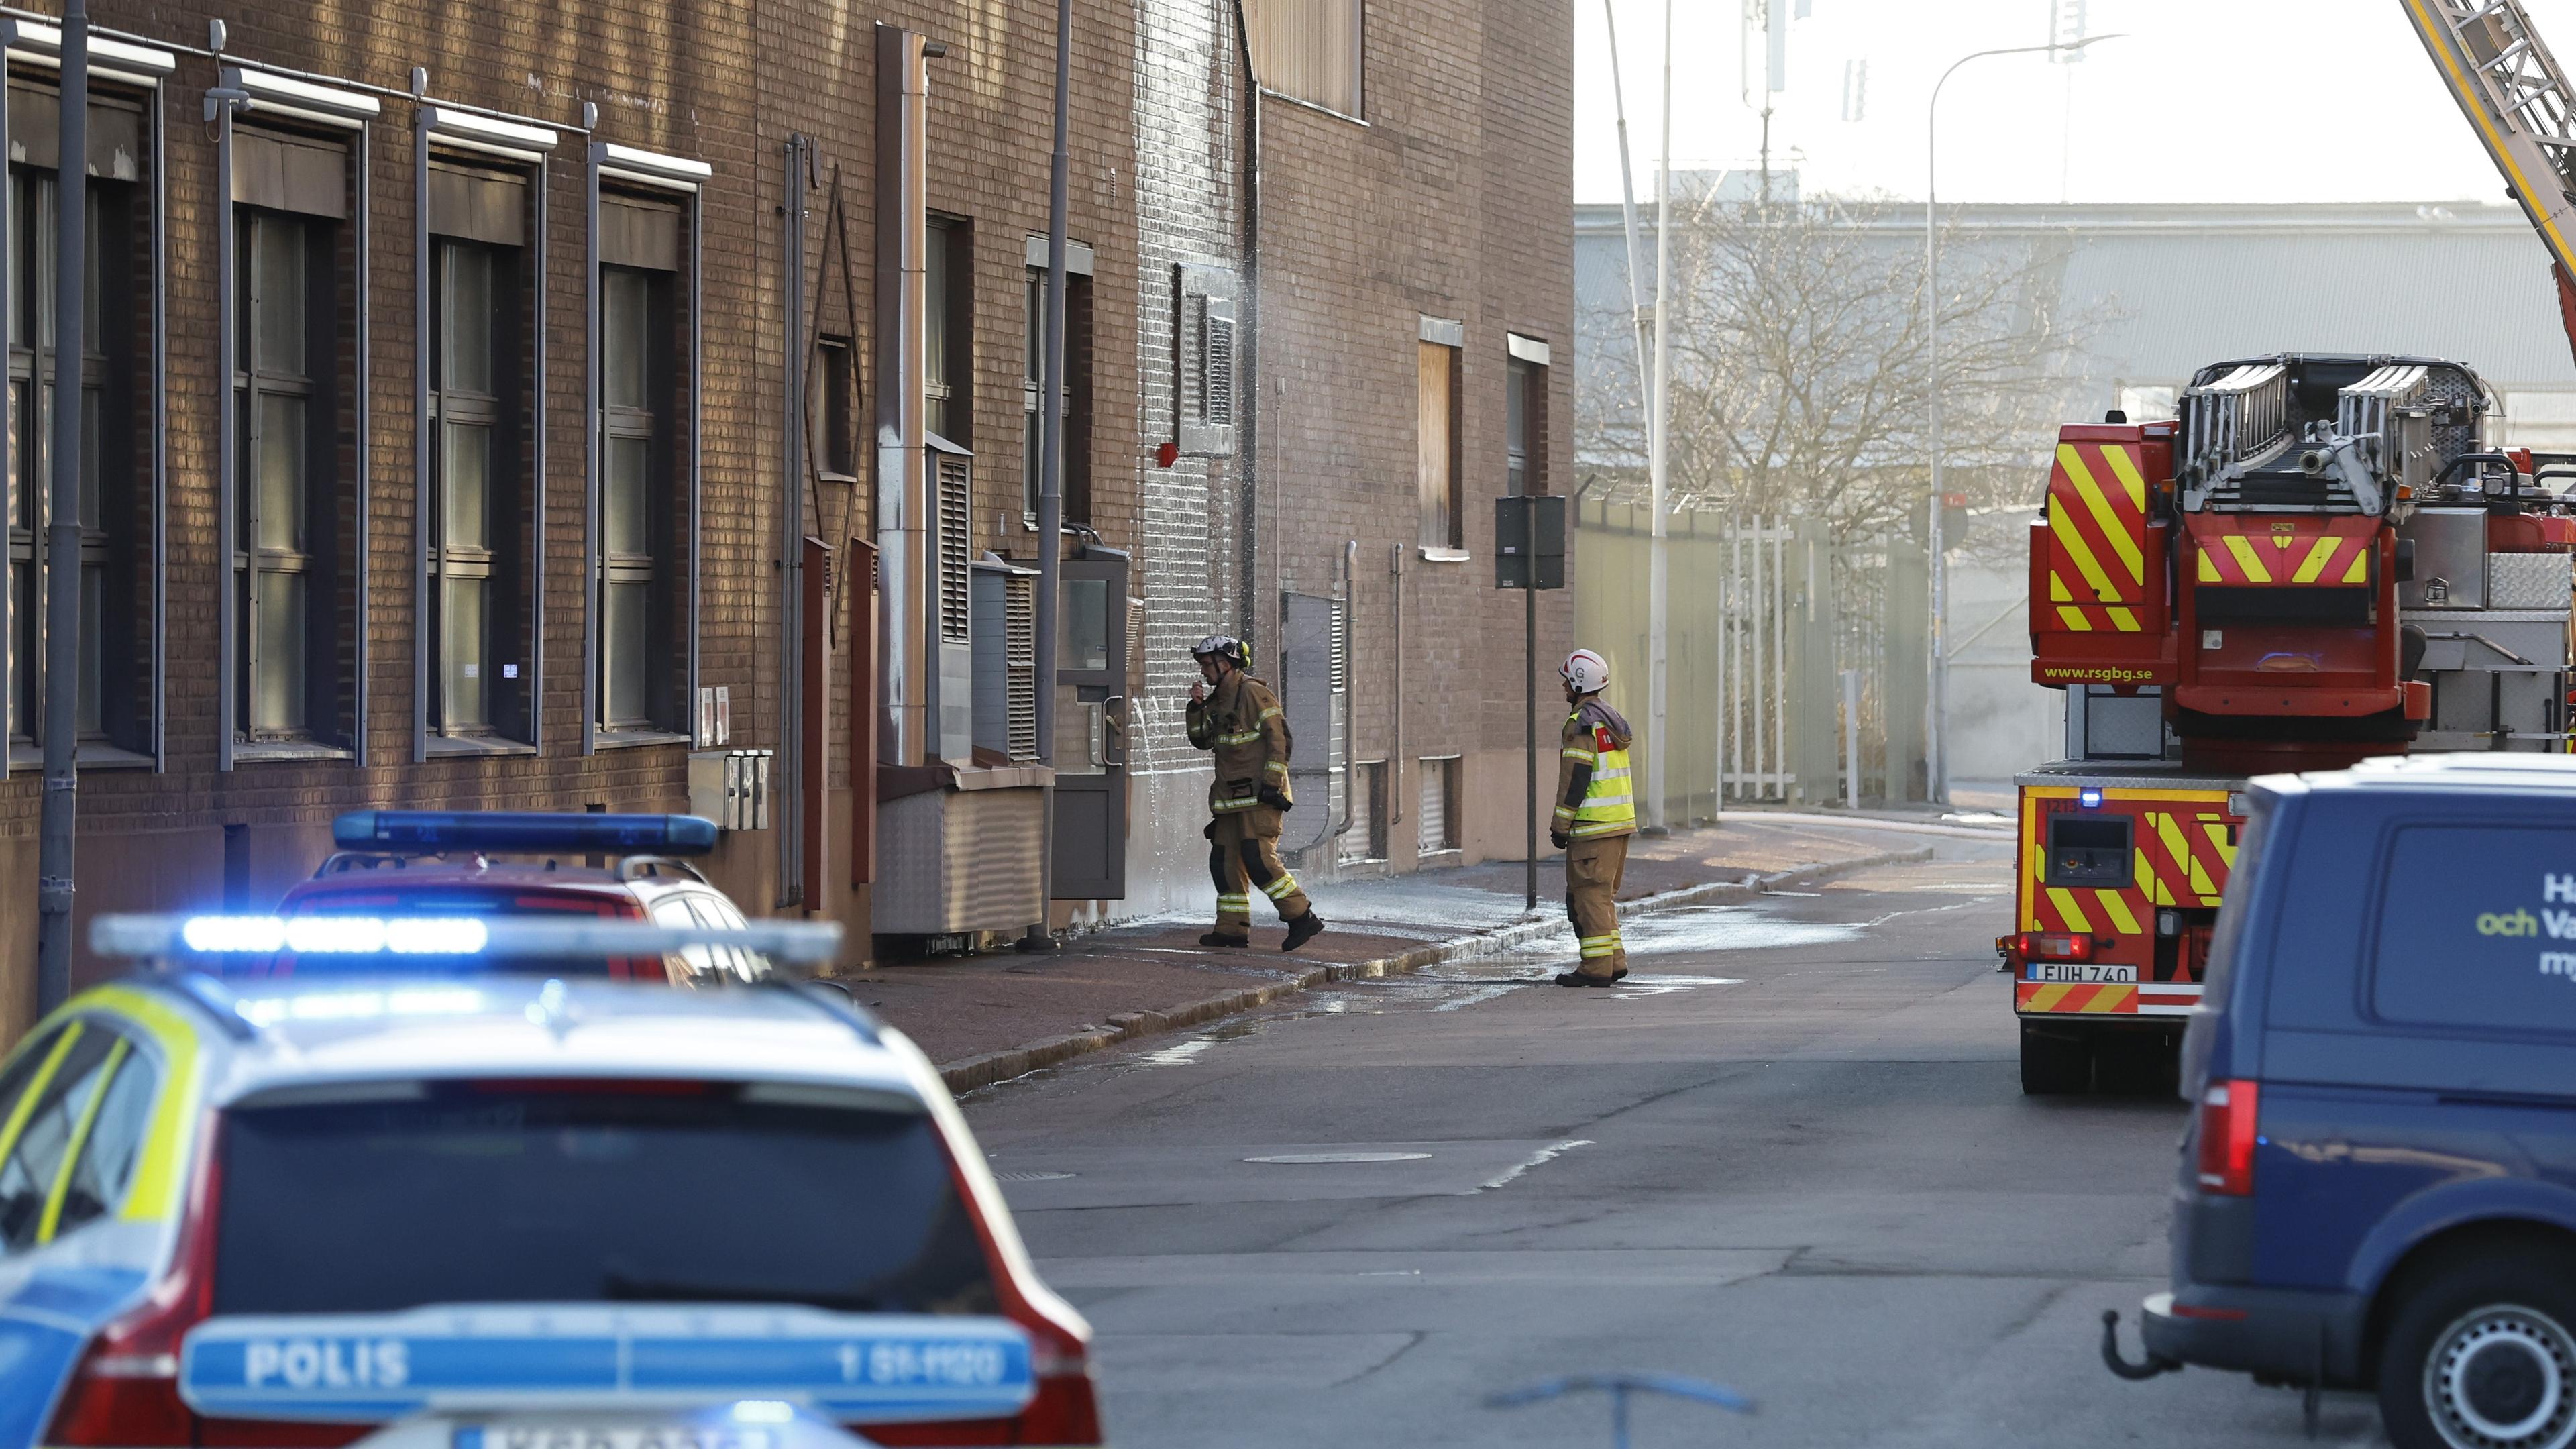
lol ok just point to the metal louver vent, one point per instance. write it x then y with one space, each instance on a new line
956 515
1020 660
1341 665
1216 364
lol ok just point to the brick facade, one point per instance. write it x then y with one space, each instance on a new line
725 85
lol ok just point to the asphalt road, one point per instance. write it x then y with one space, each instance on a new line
1792 1157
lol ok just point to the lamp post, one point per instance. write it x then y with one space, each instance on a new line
1937 764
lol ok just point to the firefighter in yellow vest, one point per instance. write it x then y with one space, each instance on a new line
1238 718
1595 815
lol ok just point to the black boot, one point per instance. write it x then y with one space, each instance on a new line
1303 929
1214 939
1584 978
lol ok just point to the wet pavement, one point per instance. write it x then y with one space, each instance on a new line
1789 1154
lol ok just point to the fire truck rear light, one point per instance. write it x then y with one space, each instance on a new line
2055 946
2227 1137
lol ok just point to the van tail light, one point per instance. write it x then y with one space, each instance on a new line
2226 1157
2055 946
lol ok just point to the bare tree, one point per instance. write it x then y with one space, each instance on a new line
1800 379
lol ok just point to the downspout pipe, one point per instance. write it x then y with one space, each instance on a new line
1248 368
1041 936
57 816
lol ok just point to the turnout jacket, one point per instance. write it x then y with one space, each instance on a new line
1240 721
1593 798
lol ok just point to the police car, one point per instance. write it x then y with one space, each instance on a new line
482 1212
440 863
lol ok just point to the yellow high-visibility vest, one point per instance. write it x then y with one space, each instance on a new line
1609 806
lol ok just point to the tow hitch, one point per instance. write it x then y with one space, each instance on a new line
2147 1368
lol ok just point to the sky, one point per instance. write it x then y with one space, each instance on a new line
2197 100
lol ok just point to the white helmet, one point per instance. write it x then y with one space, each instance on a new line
1586 671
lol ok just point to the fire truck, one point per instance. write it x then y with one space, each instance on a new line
2320 561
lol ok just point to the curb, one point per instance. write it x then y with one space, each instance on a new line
990 1068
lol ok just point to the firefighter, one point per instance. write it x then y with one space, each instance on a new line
1238 718
1595 815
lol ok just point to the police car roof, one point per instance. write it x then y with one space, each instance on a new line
2551 776
359 1028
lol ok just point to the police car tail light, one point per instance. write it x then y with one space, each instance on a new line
2227 1137
125 1390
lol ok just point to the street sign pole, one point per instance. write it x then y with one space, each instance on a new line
1529 724
1529 555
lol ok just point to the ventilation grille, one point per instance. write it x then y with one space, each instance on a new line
1020 661
1216 364
956 513
1341 661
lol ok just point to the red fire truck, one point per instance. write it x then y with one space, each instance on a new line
2322 560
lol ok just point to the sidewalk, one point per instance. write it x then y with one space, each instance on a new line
989 1018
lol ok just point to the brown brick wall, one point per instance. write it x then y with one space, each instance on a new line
726 84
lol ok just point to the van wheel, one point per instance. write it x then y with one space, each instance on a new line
2481 1356
2054 1066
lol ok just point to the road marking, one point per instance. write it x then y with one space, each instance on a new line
1534 1159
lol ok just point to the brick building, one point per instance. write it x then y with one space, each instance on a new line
1373 215
591 255
491 411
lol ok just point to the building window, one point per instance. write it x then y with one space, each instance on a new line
829 410
639 352
1077 398
1308 49
114 588
1436 472
1437 817
1524 428
472 463
948 332
476 522
285 578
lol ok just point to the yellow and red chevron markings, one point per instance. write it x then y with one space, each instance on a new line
2183 858
2097 524
2250 549
2068 996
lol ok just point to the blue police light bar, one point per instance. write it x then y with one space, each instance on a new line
390 939
2090 797
521 831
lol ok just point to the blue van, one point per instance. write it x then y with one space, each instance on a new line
2378 1183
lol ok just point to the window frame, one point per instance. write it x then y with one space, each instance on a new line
1450 338
645 177
133 713
1079 263
318 483
501 151
948 320
323 115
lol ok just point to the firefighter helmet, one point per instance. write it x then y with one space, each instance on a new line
1223 646
1586 671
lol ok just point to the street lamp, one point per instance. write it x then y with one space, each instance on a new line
1937 765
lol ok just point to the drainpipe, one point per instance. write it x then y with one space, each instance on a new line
1248 358
902 523
56 817
1041 936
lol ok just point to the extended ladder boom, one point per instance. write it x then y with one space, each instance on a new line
2519 103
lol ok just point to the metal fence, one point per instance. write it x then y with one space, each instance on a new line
1765 618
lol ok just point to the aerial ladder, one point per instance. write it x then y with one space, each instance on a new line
2324 559
2518 101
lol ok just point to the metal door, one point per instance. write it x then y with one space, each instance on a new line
1091 728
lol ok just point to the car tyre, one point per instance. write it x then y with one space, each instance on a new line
2482 1355
2054 1066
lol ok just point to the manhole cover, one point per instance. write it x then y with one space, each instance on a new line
1031 1176
1303 1158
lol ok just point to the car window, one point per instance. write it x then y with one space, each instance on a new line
20 1074
719 911
112 1144
63 1112
717 914
2477 928
689 962
503 1192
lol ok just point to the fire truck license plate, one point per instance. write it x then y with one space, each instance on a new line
2087 972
